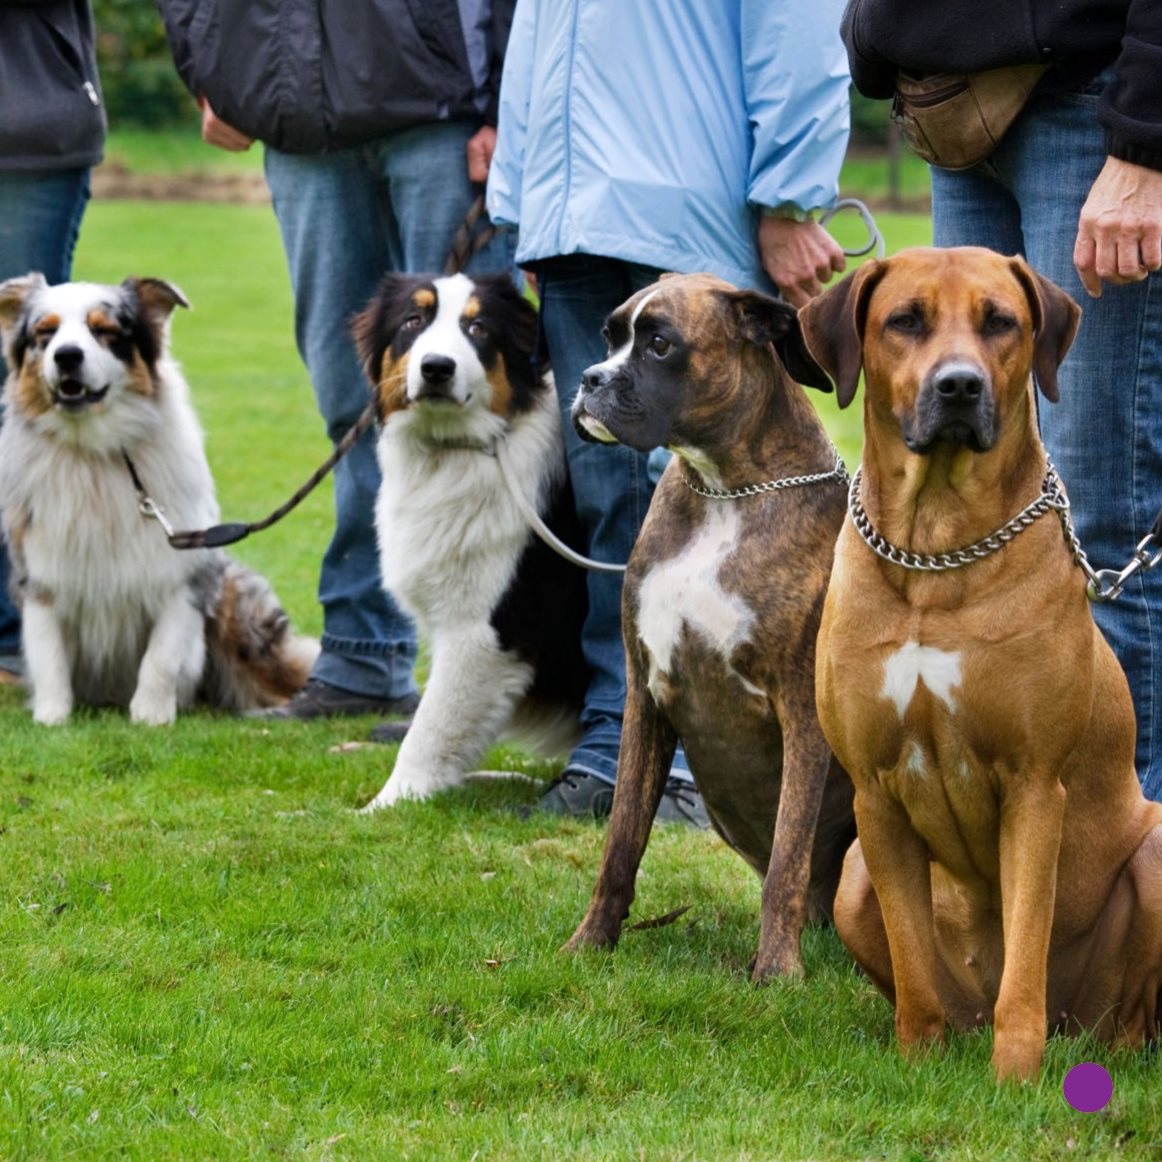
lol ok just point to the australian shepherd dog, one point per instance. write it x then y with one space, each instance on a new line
452 364
112 615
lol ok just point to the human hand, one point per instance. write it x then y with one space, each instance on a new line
215 131
1119 233
481 146
799 257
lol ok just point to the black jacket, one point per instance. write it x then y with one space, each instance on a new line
307 76
51 115
1079 37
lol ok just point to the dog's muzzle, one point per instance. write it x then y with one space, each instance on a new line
955 405
587 425
437 379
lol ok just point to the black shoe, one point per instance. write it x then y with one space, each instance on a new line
321 700
681 803
578 793
585 795
391 731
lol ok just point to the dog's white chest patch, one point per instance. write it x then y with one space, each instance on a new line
685 592
913 663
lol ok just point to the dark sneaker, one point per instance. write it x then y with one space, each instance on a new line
681 803
581 794
389 732
322 700
578 793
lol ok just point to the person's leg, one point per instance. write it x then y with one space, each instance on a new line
1104 435
612 487
40 219
330 214
427 186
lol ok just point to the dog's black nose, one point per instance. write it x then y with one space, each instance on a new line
959 382
594 377
437 368
69 357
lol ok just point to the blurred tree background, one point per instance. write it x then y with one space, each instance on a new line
140 84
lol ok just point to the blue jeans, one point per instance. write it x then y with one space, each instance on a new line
1105 435
612 485
347 218
40 219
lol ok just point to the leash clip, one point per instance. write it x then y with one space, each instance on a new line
151 510
1108 584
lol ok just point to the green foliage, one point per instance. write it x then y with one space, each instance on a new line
138 77
869 120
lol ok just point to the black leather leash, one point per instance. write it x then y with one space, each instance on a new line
467 242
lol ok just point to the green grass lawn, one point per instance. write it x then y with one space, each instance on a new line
208 954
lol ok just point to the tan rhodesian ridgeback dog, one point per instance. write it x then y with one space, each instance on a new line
1008 868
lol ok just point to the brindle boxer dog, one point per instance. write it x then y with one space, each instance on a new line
1008 868
722 597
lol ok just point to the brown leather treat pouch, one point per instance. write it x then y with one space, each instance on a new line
954 120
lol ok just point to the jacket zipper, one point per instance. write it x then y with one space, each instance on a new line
568 121
91 93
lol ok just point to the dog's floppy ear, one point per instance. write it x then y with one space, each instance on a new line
1055 320
13 294
761 319
156 296
832 326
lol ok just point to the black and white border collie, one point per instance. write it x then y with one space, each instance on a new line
451 361
112 615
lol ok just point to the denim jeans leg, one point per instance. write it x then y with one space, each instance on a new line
426 179
331 212
1103 435
40 219
612 485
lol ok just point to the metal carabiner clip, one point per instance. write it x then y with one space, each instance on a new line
875 240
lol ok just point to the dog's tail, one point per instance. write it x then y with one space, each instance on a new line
253 658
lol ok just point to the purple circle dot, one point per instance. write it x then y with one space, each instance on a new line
1088 1087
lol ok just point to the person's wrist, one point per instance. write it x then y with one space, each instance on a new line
789 212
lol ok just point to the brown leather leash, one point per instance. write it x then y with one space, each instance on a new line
468 242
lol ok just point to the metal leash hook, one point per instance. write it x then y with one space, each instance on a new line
1108 584
875 240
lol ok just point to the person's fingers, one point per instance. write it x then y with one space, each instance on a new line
794 295
1129 259
1084 254
1150 250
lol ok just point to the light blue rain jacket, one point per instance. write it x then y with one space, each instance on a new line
654 130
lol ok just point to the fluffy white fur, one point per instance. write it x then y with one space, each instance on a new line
450 535
111 613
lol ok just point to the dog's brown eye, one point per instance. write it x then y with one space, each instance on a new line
660 346
44 335
999 324
906 322
412 323
476 329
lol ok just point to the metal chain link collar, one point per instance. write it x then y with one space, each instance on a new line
839 472
1052 499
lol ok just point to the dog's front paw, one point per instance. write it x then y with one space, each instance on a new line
786 962
1017 1058
592 934
394 790
153 710
53 712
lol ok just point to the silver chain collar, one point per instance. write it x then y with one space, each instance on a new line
1052 499
839 472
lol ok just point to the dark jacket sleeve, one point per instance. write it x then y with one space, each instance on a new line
1131 107
177 16
502 13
